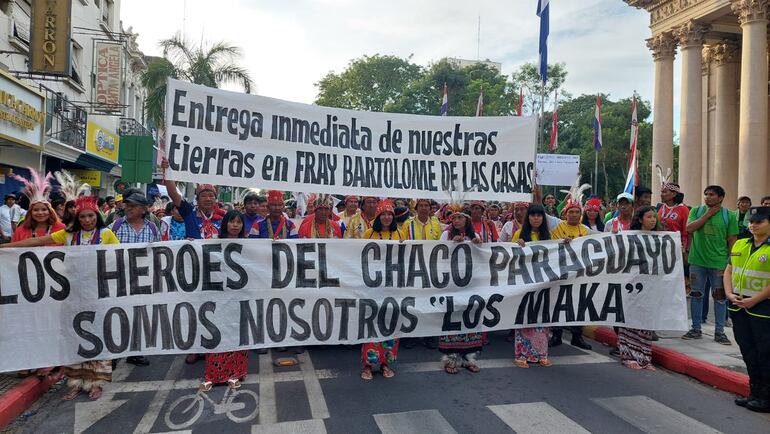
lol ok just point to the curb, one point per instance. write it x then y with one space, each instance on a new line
713 375
19 398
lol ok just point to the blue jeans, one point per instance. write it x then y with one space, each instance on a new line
701 279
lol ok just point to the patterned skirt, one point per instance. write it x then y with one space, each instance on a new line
379 353
221 367
460 344
532 343
87 374
635 345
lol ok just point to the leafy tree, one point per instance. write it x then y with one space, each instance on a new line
207 65
528 79
370 83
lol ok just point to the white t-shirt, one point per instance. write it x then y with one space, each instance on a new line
7 216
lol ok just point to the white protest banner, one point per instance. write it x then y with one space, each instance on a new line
557 169
68 304
228 138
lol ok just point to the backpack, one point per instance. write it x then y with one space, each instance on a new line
118 222
725 214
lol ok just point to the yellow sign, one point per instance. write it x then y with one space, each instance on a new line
22 112
102 142
50 40
90 177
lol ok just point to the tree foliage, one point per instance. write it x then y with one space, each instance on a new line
392 84
209 65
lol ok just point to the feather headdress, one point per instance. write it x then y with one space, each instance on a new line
456 204
575 195
37 188
245 192
71 187
323 200
665 180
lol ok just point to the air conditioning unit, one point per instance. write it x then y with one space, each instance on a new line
81 115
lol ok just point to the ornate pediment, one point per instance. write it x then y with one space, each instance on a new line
662 10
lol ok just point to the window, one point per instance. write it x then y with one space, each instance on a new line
20 13
76 60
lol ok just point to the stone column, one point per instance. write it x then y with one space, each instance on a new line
752 141
690 38
725 162
663 49
705 125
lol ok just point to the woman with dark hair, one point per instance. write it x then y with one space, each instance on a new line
229 367
460 350
41 220
592 214
383 354
549 204
87 229
531 344
635 345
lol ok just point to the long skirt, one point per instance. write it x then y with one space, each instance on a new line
532 343
379 353
221 367
460 344
86 375
635 345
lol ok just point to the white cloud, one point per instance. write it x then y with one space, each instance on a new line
290 45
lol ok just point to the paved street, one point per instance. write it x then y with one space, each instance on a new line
582 392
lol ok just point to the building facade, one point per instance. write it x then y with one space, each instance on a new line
724 95
83 113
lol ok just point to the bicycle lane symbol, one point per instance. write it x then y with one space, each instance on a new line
239 406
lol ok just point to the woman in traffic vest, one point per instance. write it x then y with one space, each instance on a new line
747 286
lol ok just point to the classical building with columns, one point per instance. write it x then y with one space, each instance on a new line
723 136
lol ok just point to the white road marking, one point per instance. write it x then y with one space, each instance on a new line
328 374
153 410
315 394
311 426
268 413
88 413
536 418
420 421
651 416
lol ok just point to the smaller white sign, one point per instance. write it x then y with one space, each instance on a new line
557 169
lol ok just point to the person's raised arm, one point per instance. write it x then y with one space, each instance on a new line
30 242
173 194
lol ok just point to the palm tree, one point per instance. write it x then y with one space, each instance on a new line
207 65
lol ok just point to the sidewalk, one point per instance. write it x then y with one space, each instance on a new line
17 394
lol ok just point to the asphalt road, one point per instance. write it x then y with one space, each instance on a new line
585 391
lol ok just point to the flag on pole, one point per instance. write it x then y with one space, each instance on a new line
598 124
521 102
542 60
632 180
480 104
555 124
445 103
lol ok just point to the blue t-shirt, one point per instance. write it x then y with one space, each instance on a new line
192 222
249 221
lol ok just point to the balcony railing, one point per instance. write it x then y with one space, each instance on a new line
132 127
65 121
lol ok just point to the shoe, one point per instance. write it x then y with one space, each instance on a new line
693 334
729 323
138 361
655 337
721 338
578 341
741 401
554 342
759 405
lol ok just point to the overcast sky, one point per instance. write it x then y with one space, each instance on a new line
289 45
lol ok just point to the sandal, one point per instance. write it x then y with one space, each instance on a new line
544 362
387 372
633 364
95 393
205 386
71 394
473 368
450 368
366 373
650 368
521 363
234 383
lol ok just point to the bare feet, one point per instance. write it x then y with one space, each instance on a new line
521 363
95 393
71 394
387 372
366 373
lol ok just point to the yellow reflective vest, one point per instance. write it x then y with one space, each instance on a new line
751 273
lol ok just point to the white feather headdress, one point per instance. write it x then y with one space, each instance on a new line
37 188
575 194
71 187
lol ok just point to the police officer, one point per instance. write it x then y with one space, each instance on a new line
747 286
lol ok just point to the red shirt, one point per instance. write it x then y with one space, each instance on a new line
22 233
486 230
674 219
306 229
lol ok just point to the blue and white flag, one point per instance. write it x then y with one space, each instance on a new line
445 103
542 59
598 124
